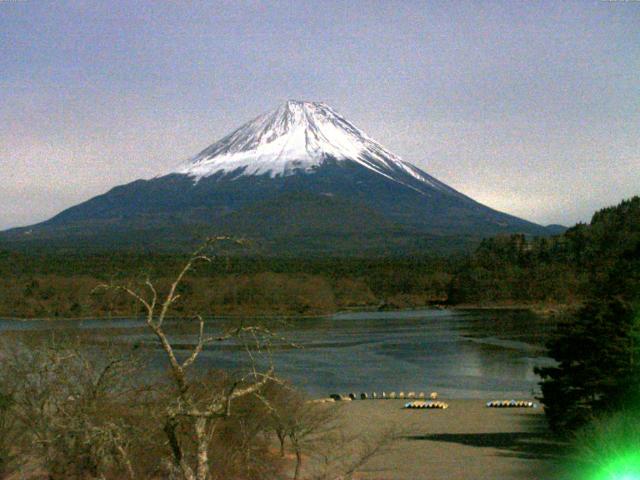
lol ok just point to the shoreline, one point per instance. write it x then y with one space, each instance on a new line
537 308
543 309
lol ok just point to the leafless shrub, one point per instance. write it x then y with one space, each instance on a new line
291 416
67 403
342 456
9 431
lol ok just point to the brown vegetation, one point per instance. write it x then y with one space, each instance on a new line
74 409
264 293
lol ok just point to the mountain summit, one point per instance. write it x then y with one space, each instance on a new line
300 179
297 138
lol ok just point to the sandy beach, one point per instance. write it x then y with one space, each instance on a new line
466 441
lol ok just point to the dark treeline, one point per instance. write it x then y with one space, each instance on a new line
108 264
588 260
592 394
598 352
504 270
519 270
61 285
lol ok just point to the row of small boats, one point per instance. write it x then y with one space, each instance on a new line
426 404
511 404
491 404
421 400
383 396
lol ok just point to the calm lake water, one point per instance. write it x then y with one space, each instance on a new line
460 354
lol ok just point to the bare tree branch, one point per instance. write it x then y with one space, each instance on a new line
191 406
199 346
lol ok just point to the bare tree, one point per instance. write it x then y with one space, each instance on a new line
307 429
342 456
292 416
193 407
317 436
62 401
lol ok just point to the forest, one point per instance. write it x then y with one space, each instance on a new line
511 270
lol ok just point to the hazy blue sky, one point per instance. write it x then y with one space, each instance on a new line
530 107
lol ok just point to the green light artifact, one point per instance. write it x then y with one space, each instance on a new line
622 467
608 449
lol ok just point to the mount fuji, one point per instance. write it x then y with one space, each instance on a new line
299 179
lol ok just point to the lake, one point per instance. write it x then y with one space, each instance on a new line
458 353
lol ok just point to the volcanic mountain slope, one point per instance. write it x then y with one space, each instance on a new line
300 178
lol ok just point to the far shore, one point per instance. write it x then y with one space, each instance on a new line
537 308
545 309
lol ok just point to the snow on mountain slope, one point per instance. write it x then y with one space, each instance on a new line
299 137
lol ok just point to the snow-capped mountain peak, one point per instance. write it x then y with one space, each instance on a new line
299 179
296 137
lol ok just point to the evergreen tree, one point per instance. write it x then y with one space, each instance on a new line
598 367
